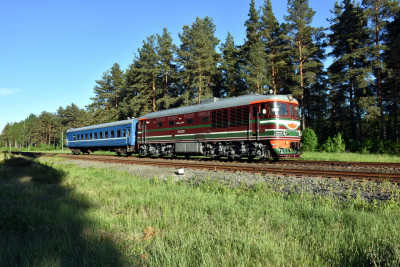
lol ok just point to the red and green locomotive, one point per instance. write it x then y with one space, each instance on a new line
251 126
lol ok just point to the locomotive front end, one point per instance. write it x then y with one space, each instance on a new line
279 123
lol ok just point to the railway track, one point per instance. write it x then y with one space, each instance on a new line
372 171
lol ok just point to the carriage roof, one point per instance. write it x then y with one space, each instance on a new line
104 125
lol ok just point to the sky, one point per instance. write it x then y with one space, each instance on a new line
52 52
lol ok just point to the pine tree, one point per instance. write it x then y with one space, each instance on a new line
254 61
305 49
349 71
392 61
198 58
271 35
143 76
378 13
230 68
117 83
166 51
107 95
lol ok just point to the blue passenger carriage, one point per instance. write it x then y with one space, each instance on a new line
117 136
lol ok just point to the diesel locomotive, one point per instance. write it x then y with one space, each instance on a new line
251 126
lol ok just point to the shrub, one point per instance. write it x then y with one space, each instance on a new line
327 146
309 140
334 145
339 144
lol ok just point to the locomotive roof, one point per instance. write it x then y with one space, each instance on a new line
104 125
221 103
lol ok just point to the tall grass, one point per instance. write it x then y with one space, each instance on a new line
57 214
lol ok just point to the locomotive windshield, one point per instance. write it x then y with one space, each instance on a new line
280 110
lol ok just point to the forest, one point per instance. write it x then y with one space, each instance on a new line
356 97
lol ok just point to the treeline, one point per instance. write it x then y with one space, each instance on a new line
46 131
357 95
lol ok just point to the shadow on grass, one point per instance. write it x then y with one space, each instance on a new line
45 223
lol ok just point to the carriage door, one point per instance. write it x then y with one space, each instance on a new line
254 121
142 125
127 135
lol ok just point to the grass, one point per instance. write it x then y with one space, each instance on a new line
356 157
55 214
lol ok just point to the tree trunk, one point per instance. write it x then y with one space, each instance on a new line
273 77
154 95
165 91
199 90
378 72
396 104
303 108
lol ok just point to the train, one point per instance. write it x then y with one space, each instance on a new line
249 126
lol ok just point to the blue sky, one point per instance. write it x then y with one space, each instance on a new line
51 52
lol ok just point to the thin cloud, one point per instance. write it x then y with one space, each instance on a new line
7 91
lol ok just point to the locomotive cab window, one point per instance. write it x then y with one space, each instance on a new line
189 121
264 110
278 109
171 123
205 119
291 111
159 124
297 111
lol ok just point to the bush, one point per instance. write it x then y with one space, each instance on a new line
309 140
334 145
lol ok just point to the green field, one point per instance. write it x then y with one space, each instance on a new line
56 214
